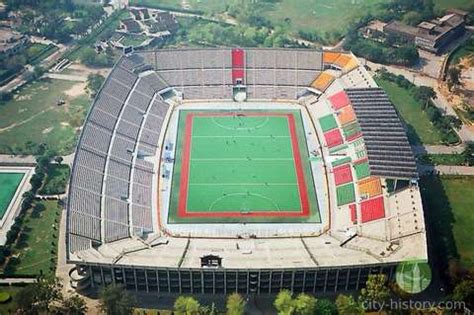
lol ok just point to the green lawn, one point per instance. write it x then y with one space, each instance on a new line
442 159
320 15
448 204
133 40
8 185
36 52
36 249
420 129
34 116
308 15
232 169
56 180
447 4
10 307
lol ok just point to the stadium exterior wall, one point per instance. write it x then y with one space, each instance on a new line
227 281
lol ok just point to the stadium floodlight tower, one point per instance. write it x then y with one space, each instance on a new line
213 171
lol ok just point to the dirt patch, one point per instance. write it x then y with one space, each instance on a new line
25 97
451 96
84 70
462 94
467 72
65 124
76 90
47 130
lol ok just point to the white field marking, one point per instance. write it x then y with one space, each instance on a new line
241 159
244 194
243 184
230 137
262 124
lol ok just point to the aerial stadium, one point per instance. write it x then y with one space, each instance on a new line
213 171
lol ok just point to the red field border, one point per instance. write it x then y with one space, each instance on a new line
184 179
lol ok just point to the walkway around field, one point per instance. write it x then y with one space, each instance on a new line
7 159
67 77
437 149
446 170
11 281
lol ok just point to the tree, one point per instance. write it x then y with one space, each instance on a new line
25 299
346 305
114 300
412 18
58 159
94 82
40 296
74 305
376 291
303 304
454 76
90 58
38 71
325 307
186 305
284 303
468 154
235 304
464 291
424 94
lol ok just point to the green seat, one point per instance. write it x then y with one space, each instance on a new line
362 170
345 160
328 122
345 194
351 129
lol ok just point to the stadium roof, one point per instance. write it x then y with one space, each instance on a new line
389 152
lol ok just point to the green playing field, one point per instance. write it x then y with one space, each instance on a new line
250 166
8 185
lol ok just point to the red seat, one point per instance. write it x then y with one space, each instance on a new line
372 209
339 100
333 138
342 174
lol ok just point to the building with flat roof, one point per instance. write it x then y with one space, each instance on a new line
11 42
433 35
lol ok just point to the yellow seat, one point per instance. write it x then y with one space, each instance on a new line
323 81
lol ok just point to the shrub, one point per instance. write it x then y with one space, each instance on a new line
4 297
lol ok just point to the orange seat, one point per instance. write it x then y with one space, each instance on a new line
330 57
346 115
370 186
